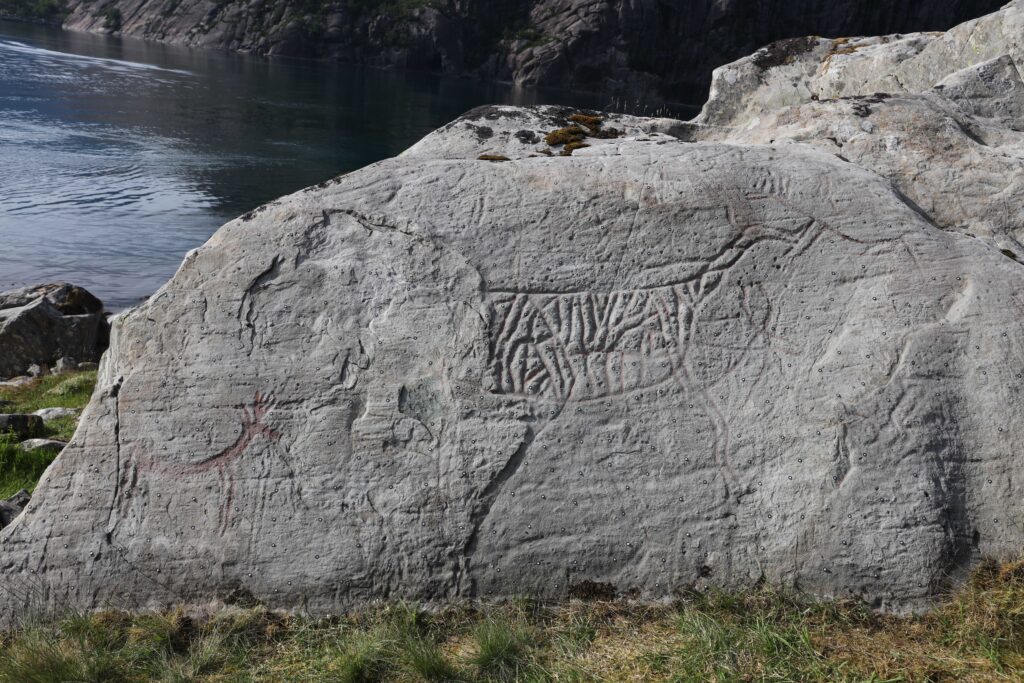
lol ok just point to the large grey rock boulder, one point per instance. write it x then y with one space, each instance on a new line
39 325
43 446
799 71
654 364
947 135
49 414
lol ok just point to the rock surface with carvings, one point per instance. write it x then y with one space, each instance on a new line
779 346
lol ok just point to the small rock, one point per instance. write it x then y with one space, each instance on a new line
88 366
43 445
55 413
34 370
12 507
23 426
64 365
16 382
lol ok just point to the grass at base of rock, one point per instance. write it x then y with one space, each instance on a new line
69 390
977 634
21 470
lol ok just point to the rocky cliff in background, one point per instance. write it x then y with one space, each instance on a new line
649 49
544 349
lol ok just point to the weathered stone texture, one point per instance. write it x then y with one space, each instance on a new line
655 364
825 69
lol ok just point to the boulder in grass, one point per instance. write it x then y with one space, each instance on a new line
49 414
43 446
21 426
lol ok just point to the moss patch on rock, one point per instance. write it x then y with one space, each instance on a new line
583 126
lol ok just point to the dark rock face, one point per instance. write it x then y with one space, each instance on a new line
39 325
12 507
22 426
655 49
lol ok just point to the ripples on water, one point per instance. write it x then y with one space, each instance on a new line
118 156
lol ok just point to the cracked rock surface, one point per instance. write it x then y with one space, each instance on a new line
786 347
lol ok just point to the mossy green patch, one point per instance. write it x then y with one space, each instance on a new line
571 147
573 136
562 136
20 469
70 390
591 122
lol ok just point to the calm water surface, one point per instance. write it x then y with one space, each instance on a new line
118 156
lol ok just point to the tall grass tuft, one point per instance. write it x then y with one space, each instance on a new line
20 469
363 658
502 647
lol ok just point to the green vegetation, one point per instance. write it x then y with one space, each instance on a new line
49 11
111 16
69 390
493 157
19 469
977 634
